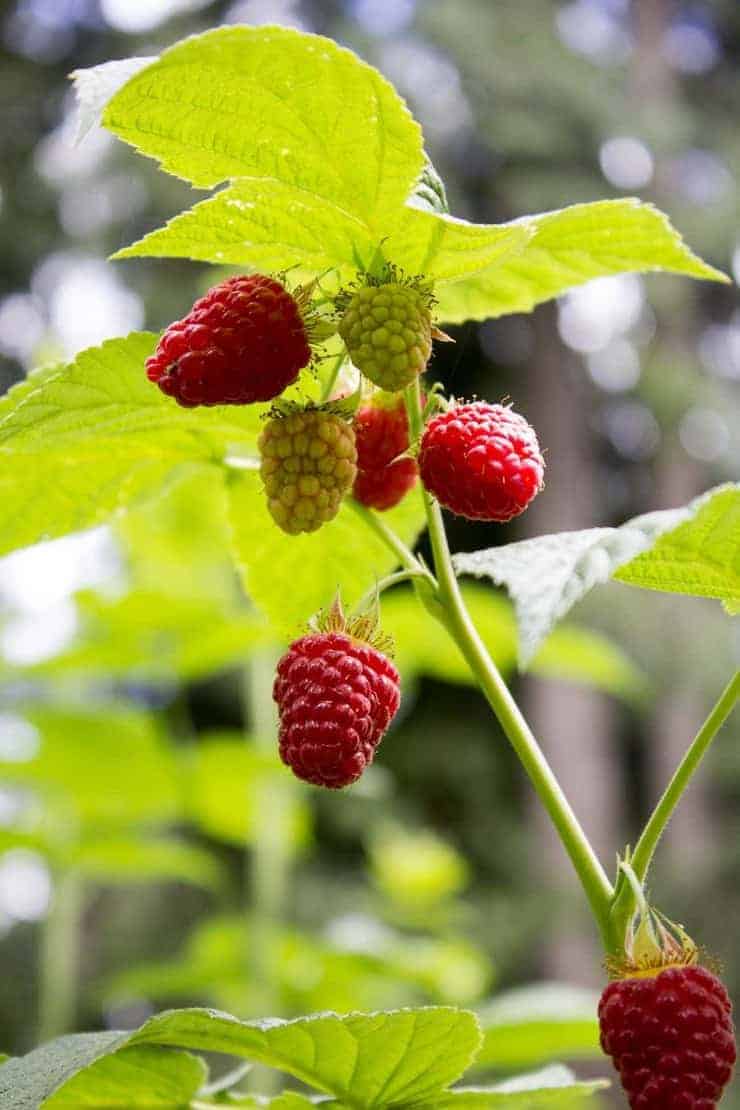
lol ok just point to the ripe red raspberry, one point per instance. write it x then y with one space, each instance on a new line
481 461
336 696
308 465
246 340
671 1038
382 432
384 489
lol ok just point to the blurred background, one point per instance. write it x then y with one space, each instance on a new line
150 855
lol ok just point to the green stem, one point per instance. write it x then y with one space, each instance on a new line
643 854
384 584
268 862
405 556
457 620
60 957
331 381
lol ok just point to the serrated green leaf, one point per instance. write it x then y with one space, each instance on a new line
26 1081
344 555
535 1024
369 1059
382 1059
95 86
139 1078
700 557
96 436
274 104
570 653
548 575
567 248
556 1086
263 225
18 392
449 249
104 399
108 763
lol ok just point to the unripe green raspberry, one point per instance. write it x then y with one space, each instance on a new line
309 462
387 329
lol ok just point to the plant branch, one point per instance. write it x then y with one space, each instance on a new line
405 556
331 380
648 842
454 615
385 584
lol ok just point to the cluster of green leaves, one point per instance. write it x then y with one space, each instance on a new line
322 163
401 1058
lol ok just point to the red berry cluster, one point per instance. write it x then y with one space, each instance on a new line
671 1038
244 341
336 697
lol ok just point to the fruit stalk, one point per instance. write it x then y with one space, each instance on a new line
454 615
642 857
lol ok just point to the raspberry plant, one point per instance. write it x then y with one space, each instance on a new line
326 179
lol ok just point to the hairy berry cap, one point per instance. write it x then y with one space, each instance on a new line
308 466
482 461
246 340
386 325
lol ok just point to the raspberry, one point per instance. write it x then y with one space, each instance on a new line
387 329
308 465
384 489
246 340
382 430
336 696
481 461
671 1038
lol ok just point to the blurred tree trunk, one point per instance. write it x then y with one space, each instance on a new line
574 724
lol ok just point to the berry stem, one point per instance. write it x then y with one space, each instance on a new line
405 556
648 842
456 618
642 857
385 584
331 379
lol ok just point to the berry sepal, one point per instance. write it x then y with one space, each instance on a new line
651 941
363 625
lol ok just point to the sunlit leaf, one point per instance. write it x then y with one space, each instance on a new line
139 1078
273 104
567 248
291 577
